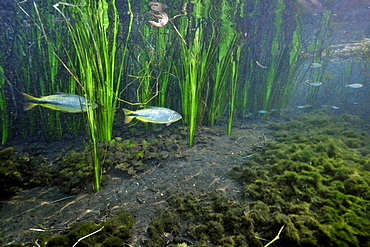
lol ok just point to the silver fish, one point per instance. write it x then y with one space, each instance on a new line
153 114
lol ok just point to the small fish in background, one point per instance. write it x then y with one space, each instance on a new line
153 114
304 106
64 102
330 106
315 65
355 85
247 115
263 112
314 84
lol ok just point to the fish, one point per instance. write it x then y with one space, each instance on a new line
315 65
153 114
247 115
314 84
330 106
263 112
355 85
303 106
64 102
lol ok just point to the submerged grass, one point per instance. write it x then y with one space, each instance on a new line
4 122
94 32
198 56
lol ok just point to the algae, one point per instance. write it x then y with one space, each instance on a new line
130 157
21 171
202 220
113 232
316 174
73 171
313 180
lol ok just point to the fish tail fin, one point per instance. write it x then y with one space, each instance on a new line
29 101
127 118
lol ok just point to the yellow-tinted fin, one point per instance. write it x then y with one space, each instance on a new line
28 105
127 118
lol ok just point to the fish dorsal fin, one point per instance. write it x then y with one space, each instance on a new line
64 94
153 107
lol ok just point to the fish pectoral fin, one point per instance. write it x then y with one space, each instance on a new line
128 119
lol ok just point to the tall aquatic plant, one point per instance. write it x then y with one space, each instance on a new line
193 82
233 90
4 121
295 65
271 75
48 84
277 47
41 72
292 62
258 32
317 52
164 67
227 40
197 57
225 74
243 102
26 46
94 32
159 46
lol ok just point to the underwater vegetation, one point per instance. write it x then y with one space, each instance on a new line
18 172
314 180
128 156
112 232
205 220
73 170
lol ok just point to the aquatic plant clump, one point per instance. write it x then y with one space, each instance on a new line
18 172
315 179
206 220
130 157
113 232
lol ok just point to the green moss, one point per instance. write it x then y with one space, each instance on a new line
317 175
74 171
80 230
18 172
353 142
112 242
210 220
59 240
113 232
120 225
